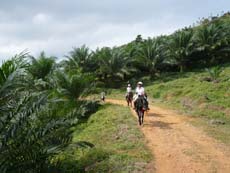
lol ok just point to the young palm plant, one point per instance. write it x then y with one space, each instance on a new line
214 73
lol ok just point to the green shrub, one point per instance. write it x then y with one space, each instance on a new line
214 72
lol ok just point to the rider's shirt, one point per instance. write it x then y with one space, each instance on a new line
129 89
102 94
140 91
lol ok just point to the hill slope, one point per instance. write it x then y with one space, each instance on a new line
191 94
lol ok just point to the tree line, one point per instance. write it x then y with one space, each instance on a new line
204 45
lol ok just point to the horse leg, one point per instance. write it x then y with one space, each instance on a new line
127 100
140 120
139 117
143 114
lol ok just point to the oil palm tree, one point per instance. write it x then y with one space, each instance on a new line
72 86
180 47
209 40
79 58
42 66
112 64
27 140
32 130
150 54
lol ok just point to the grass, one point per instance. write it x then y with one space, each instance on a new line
119 146
219 132
194 95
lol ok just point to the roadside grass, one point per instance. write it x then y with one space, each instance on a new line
119 146
116 93
217 131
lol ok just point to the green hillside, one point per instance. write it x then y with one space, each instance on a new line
194 93
191 94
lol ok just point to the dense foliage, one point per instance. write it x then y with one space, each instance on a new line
38 106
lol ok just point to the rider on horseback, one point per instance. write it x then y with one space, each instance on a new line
129 89
129 95
140 96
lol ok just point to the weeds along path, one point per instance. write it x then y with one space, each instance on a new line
178 146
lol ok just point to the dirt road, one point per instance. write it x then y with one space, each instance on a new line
179 147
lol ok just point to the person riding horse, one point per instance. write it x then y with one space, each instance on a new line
140 102
129 95
140 95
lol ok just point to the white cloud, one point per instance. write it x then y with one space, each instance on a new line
41 18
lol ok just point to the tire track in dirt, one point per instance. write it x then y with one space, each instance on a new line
179 147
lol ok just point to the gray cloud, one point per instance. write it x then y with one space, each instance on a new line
56 26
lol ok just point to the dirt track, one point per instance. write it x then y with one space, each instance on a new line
178 146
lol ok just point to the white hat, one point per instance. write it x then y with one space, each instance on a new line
129 85
140 83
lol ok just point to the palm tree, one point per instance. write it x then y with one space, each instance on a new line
32 126
79 58
72 86
27 140
180 47
209 40
42 66
12 75
150 54
112 64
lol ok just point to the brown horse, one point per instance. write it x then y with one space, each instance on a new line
129 98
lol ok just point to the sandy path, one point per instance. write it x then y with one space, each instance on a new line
180 147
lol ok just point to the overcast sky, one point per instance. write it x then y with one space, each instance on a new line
56 26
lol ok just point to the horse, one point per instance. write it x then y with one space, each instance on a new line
141 106
129 98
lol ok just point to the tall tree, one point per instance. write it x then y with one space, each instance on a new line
80 58
150 54
112 64
208 40
180 47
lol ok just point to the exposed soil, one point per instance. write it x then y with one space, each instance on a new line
178 146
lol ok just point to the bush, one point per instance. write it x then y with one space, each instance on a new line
214 73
